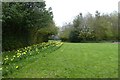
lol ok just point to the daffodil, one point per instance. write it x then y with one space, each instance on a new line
0 68
24 52
17 50
36 49
14 56
17 67
7 58
25 48
12 59
18 56
4 58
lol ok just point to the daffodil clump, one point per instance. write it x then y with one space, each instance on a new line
8 62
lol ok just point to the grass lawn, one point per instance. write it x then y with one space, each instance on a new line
73 60
0 66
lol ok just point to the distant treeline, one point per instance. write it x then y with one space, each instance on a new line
89 28
26 23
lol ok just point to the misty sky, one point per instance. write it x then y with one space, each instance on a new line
66 10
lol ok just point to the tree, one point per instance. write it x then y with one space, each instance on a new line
101 27
65 32
114 24
24 24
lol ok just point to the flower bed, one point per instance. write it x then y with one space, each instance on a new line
9 62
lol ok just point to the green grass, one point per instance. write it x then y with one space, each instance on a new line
0 66
73 60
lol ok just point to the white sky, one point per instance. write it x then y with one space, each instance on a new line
66 10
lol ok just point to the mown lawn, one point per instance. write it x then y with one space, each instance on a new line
74 60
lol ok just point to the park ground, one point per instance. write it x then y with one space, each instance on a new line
74 60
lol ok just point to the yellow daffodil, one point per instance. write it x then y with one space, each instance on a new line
24 52
12 59
14 56
0 68
17 67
